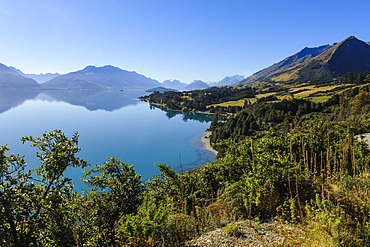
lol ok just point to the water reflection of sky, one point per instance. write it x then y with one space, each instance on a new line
118 125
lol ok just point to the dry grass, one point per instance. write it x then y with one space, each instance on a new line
258 96
286 76
302 91
234 103
319 99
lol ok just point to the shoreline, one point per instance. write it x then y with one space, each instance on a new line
158 104
204 139
206 142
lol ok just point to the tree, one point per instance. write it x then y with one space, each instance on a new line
116 191
14 186
359 102
37 210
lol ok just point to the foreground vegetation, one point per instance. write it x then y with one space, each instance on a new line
292 161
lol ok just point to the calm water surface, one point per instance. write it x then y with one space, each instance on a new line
110 124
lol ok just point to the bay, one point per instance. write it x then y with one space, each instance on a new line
110 124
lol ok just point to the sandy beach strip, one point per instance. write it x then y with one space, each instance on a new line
207 143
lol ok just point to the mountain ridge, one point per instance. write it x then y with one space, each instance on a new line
322 62
175 84
41 78
195 85
105 77
291 61
349 55
228 80
11 78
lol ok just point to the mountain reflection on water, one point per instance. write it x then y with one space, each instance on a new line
90 99
95 99
186 115
13 98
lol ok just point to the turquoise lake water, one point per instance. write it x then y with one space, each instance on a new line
110 124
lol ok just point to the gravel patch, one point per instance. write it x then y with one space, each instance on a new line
250 233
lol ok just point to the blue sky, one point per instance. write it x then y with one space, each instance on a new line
171 39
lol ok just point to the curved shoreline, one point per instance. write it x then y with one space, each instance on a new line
207 143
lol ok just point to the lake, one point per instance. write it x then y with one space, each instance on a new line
110 123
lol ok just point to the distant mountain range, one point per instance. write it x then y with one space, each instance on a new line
12 79
174 84
106 77
41 78
195 85
102 78
198 84
228 81
98 78
324 62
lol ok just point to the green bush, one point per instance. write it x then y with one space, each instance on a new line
232 230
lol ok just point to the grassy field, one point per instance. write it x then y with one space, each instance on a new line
258 96
319 99
235 102
301 91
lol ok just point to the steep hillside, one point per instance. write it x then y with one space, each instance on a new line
288 63
350 55
324 62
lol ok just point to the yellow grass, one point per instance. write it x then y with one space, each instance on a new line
309 90
286 76
319 99
258 96
234 102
